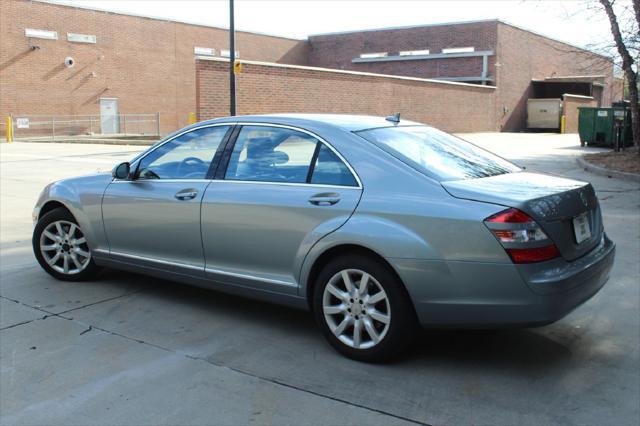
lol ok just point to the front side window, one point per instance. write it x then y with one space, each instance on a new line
438 154
186 157
271 154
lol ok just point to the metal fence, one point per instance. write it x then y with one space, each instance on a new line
65 127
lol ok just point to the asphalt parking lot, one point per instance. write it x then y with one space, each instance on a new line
128 349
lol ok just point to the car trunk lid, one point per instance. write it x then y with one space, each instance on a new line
551 201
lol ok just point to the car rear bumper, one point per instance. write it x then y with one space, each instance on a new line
486 295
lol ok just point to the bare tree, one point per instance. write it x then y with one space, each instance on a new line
629 67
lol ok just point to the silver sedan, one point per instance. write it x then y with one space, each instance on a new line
376 225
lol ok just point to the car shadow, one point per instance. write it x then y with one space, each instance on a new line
525 350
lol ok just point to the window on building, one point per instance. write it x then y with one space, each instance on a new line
459 50
373 55
414 52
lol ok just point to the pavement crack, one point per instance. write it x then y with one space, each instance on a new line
28 306
249 374
102 301
18 324
322 395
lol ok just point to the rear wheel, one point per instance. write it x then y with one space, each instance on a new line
61 247
362 309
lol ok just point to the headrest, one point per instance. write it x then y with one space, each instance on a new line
258 147
279 157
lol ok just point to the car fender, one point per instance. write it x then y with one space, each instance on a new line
83 198
382 236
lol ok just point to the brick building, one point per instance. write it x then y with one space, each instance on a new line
520 63
152 65
146 64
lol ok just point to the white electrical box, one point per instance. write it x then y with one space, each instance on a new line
544 113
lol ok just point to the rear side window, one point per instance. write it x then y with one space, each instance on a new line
438 154
275 154
330 169
271 154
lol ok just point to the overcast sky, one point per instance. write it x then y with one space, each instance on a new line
299 18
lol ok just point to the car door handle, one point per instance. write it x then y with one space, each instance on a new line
325 199
187 194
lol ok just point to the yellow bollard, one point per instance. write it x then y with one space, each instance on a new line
562 121
9 129
192 117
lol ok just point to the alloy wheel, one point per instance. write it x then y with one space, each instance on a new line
356 308
64 247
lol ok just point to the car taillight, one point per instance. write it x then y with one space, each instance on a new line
522 238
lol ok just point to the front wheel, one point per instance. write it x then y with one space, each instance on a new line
61 247
362 309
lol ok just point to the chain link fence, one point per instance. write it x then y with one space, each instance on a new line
43 128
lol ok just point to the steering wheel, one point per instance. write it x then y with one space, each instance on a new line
190 162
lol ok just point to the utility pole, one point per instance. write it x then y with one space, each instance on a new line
232 59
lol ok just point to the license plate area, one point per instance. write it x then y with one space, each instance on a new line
581 227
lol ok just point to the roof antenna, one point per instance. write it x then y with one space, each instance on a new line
395 119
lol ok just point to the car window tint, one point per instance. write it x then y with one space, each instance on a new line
438 154
186 157
331 170
271 154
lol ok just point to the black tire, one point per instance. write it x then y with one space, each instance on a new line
60 214
402 325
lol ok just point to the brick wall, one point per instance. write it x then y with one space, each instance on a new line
337 50
523 55
148 64
271 88
570 110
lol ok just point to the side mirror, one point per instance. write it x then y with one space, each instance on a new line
121 171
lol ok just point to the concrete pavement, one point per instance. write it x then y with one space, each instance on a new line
128 349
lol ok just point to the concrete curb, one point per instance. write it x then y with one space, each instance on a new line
607 172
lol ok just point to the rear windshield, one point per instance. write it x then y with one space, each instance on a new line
438 154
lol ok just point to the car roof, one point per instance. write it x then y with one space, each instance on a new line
345 122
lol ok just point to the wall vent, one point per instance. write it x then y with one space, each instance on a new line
225 53
81 38
204 51
373 55
459 50
45 34
414 52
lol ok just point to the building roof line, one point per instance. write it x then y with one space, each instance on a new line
575 46
568 78
441 24
404 27
571 95
158 18
349 72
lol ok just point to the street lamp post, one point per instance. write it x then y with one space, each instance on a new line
232 58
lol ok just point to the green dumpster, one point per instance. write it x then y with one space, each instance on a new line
586 121
601 126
